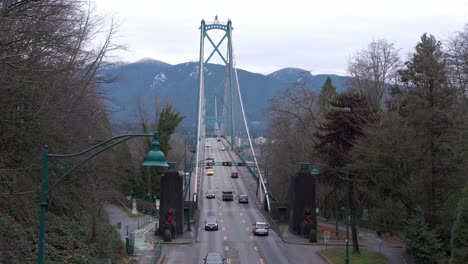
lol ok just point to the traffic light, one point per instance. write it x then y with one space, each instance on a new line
227 163
240 164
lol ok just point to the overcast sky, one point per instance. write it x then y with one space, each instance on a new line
319 36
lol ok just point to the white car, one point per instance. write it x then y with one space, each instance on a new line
260 228
223 148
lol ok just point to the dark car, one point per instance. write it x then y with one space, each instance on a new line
214 258
210 194
211 223
234 174
243 198
228 196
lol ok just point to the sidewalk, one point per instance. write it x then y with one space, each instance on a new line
141 227
367 238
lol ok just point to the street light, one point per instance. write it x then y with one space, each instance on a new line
155 157
347 219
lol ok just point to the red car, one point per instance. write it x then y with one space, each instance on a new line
234 175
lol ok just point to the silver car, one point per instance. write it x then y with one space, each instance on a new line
260 228
210 194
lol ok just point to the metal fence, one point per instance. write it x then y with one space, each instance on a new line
157 253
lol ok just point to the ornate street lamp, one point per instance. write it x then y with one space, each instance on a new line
154 158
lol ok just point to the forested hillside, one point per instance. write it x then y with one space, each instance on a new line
396 142
49 95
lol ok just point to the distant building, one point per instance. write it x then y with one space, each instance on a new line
260 141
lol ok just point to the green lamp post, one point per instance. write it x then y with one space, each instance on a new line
347 219
155 157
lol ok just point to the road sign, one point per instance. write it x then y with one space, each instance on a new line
134 207
282 228
326 236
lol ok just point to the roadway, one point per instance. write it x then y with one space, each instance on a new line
234 239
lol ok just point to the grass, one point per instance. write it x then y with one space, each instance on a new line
138 215
336 255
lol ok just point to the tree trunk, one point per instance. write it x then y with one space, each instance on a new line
354 232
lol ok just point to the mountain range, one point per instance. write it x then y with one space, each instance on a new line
143 81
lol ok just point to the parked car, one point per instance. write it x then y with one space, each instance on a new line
228 196
211 223
243 198
234 174
209 172
223 148
260 228
210 194
214 258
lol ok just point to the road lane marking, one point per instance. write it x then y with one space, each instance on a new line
226 248
220 213
246 229
251 237
241 214
225 237
222 220
243 221
256 249
228 260
262 261
223 229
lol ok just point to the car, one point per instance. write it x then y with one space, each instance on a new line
209 172
210 194
228 196
218 139
260 228
211 223
243 198
223 148
214 258
234 174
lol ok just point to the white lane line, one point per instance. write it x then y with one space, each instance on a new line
256 249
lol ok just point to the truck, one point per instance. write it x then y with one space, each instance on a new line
228 196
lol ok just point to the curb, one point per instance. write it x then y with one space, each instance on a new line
178 242
161 259
324 258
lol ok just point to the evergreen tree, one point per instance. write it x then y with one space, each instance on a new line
343 126
168 121
423 243
327 95
459 241
429 107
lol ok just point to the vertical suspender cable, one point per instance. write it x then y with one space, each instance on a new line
250 142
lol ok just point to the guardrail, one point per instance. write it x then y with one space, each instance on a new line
157 253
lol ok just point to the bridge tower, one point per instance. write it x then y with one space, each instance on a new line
226 126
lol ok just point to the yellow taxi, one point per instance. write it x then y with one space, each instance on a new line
209 172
